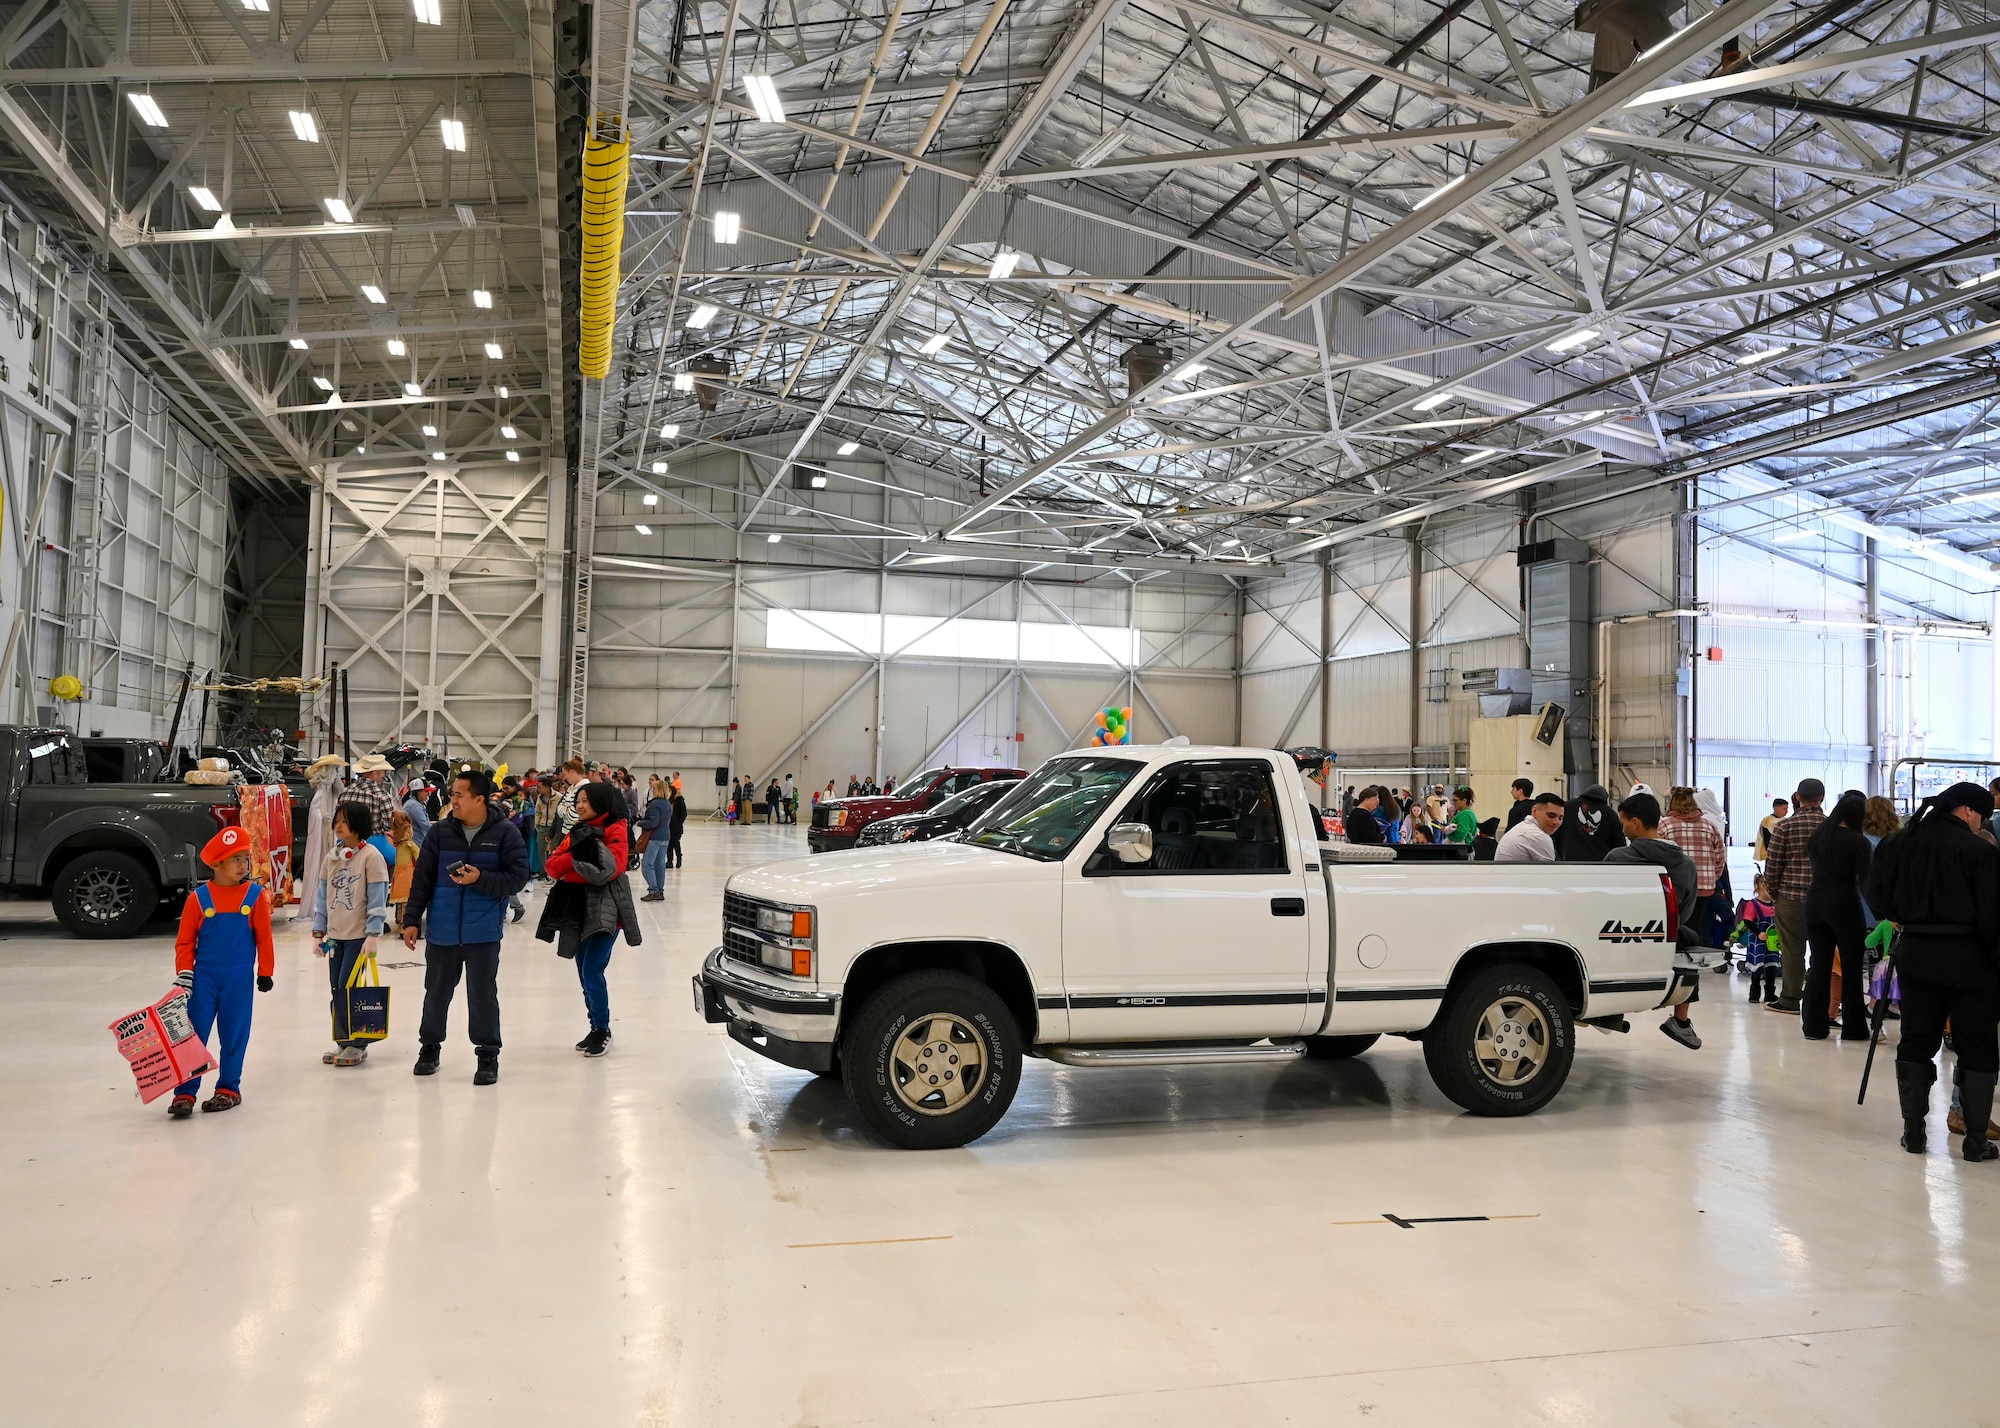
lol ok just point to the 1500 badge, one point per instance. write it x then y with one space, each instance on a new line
1616 931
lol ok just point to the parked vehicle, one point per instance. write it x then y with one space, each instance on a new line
104 854
837 822
123 760
1165 906
946 818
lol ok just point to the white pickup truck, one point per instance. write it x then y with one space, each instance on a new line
1166 906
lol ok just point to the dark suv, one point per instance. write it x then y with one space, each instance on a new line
836 823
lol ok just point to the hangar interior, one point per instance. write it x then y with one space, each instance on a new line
842 388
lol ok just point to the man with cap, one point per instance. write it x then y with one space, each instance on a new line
223 948
1789 872
1939 883
371 789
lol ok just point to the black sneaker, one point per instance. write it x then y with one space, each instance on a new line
427 1061
595 1044
489 1069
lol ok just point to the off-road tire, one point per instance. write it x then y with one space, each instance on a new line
944 1024
1521 1062
1339 1048
105 894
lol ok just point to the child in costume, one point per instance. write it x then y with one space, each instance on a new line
403 834
223 948
1756 932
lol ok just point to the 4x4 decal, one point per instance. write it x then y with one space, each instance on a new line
1616 931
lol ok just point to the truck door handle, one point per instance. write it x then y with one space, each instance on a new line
1288 907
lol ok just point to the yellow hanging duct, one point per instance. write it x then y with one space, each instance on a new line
66 686
605 166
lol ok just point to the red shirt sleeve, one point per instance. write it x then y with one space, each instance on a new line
260 928
184 940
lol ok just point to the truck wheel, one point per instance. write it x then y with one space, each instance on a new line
1503 1043
932 1060
106 894
1339 1048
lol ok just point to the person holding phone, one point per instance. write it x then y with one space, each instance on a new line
473 864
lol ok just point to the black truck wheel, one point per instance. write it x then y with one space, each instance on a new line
932 1060
105 894
1339 1048
1503 1043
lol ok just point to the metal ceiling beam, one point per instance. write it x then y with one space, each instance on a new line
266 72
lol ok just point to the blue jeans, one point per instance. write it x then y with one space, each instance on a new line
653 864
339 967
593 955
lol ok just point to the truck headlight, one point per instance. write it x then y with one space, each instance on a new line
836 819
788 940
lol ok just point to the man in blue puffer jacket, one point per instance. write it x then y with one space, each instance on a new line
472 864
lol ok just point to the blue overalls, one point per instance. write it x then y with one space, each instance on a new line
225 977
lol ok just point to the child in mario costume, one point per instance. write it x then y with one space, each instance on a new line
224 945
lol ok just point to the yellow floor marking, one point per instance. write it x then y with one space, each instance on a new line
838 1244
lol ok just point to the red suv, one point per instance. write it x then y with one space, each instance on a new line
837 822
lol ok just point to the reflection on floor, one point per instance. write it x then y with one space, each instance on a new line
683 1233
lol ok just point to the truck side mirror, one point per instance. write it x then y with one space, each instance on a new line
1131 842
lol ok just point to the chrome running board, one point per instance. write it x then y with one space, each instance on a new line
1199 1054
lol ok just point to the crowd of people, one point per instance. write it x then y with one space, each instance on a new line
1854 917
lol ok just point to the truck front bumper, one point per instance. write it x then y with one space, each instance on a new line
830 840
792 1027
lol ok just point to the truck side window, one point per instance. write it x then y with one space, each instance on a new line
54 760
1207 817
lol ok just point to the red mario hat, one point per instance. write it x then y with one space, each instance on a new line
229 842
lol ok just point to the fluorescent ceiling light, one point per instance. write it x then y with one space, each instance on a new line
728 226
643 529
502 391
261 7
466 217
764 98
1479 453
1439 192
773 537
323 384
1980 281
1571 341
703 314
1295 520
650 499
1190 372
428 12
482 298
372 293
304 127
848 448
148 110
205 199
1966 498
684 381
670 430
493 351
935 344
659 468
1789 536
513 456
300 343
360 451
411 389
398 348
1431 403
453 133
346 425
1751 359
338 211
1101 148
507 432
1004 262
1232 541
430 430
261 284
437 456
819 483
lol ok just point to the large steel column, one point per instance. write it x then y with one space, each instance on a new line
548 695
86 520
1416 541
1236 662
1872 695
1326 649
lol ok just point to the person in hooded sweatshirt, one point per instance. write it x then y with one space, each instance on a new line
1639 820
1939 882
1589 828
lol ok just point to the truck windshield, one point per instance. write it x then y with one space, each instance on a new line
1046 812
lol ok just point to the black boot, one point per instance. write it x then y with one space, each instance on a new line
489 1069
1976 1096
1913 1088
427 1060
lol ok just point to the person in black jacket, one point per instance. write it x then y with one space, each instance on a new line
1524 800
1939 882
1589 828
1360 821
1838 855
679 823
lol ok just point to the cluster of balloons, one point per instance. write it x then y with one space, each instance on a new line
1114 726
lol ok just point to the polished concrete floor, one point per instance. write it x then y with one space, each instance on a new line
683 1233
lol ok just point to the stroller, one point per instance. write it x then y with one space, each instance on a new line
1756 932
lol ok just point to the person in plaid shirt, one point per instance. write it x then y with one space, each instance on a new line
370 788
1695 836
1789 873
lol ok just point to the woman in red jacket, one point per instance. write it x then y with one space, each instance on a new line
590 902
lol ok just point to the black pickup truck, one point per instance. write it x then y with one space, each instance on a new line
105 854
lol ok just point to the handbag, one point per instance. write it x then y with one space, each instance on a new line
366 1004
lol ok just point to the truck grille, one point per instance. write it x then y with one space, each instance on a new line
739 928
819 816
